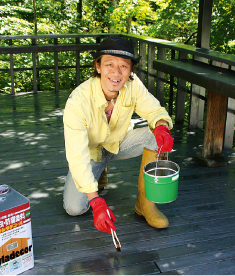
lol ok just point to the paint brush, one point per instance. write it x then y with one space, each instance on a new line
115 238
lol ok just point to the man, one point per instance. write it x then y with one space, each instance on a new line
97 131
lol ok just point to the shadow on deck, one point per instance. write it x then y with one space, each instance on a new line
199 240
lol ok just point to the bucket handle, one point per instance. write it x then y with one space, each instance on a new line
158 158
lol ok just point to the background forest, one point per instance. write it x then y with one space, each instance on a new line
174 20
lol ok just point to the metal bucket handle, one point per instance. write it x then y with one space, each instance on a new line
158 158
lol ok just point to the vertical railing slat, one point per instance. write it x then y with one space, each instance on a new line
56 67
161 54
197 105
151 71
180 96
229 126
171 95
12 70
142 63
34 42
78 70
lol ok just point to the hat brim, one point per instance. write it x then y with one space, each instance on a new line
97 54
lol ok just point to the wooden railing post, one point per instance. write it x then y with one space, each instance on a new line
197 105
34 42
180 96
161 54
135 46
78 70
151 71
56 67
142 63
215 124
229 126
171 87
12 71
230 118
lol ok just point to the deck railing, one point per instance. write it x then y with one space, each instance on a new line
151 49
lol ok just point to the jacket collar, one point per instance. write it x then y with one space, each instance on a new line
98 94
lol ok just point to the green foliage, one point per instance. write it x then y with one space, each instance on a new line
223 26
137 13
176 21
15 26
16 12
167 19
97 15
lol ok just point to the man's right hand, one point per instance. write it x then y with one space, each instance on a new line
102 220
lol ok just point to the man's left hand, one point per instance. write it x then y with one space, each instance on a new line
163 138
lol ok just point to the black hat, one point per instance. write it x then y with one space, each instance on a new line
116 46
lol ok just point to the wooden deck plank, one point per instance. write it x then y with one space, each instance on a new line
200 262
200 237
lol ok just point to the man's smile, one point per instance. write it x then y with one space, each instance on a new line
116 81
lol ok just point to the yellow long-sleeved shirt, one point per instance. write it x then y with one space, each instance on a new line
86 128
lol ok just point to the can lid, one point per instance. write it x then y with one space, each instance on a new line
4 189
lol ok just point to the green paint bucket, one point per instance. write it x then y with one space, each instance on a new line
161 181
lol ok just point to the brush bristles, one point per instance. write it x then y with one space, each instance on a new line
118 249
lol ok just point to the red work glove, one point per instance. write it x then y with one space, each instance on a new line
101 219
163 138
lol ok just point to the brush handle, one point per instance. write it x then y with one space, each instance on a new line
114 235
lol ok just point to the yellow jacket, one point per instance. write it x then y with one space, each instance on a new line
86 128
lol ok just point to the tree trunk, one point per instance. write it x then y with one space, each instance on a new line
35 17
128 21
111 26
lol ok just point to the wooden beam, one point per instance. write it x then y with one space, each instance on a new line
212 77
204 23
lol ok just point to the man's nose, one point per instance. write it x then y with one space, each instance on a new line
117 70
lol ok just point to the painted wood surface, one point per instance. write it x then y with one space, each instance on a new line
200 238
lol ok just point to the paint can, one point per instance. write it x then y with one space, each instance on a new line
16 246
161 181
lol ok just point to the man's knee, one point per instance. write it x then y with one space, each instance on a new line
74 210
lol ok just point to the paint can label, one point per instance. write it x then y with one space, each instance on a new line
16 247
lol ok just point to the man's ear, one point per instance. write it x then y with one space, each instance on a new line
97 67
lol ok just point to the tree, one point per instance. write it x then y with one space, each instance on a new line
133 16
223 26
176 20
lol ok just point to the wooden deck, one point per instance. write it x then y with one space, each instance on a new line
199 240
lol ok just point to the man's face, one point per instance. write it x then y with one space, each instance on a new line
114 73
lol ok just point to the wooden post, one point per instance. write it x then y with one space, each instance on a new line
204 23
203 41
180 96
34 68
151 71
142 63
135 46
230 122
171 87
161 54
12 71
78 70
197 104
56 68
215 123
